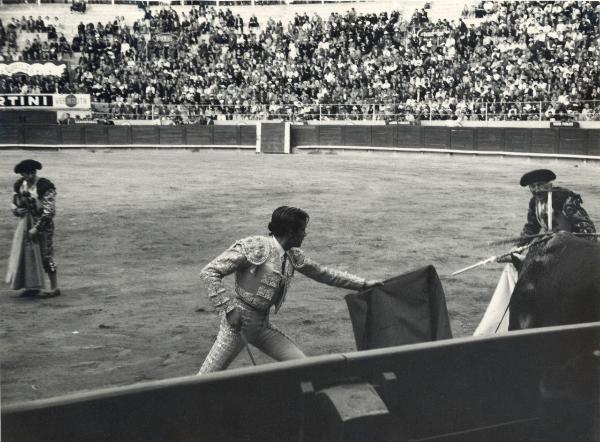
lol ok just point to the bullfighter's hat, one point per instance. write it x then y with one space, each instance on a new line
28 166
536 176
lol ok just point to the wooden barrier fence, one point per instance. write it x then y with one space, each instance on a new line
563 141
551 141
539 384
82 135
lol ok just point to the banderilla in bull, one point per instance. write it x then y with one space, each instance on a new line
504 255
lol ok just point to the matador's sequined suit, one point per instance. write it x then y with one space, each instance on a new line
566 206
40 202
263 271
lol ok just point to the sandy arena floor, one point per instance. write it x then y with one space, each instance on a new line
135 227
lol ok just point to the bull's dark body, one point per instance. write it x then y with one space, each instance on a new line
558 284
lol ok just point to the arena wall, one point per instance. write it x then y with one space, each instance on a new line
551 141
28 117
556 142
472 389
90 135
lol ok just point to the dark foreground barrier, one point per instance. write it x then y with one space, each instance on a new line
532 385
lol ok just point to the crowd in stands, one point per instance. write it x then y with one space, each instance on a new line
515 61
47 45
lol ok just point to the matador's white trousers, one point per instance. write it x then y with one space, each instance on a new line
258 331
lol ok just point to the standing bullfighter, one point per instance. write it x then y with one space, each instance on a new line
35 199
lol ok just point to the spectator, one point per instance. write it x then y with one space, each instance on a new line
79 6
67 119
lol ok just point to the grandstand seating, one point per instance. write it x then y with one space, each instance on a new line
515 61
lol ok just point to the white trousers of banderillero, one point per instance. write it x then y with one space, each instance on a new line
256 330
495 319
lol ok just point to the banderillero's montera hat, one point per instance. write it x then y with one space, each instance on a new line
28 166
536 176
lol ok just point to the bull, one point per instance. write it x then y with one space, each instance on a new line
559 284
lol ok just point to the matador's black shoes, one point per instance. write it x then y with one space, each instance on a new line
36 293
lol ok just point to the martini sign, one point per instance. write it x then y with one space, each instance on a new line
49 101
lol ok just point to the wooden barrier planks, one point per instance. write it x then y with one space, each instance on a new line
247 134
10 133
304 135
330 135
171 135
119 135
199 135
593 145
544 141
272 137
462 139
409 136
41 134
357 135
95 134
437 137
489 387
572 141
384 136
145 135
71 134
559 141
226 135
490 139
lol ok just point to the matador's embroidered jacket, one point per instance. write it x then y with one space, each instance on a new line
263 272
41 204
566 203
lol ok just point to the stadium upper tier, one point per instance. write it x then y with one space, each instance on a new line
518 60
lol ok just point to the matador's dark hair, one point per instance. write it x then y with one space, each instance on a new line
285 219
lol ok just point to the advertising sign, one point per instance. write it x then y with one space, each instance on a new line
47 101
